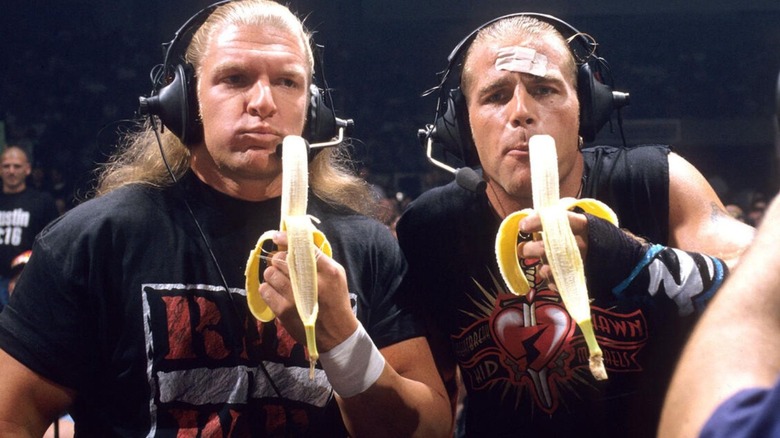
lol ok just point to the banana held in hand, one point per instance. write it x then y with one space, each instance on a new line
302 241
560 246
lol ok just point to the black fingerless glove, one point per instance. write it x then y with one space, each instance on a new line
612 255
621 265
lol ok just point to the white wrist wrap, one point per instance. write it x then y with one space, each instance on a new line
353 365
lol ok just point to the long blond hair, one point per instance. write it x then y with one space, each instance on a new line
139 159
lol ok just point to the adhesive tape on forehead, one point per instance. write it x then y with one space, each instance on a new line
521 60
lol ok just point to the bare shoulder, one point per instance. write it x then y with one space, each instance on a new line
698 220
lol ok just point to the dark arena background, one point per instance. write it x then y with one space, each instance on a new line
703 76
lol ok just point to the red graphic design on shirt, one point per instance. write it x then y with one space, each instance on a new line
529 348
210 363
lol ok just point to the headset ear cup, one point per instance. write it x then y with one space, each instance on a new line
320 121
193 126
596 102
176 105
452 129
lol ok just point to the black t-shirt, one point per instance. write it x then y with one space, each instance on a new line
122 302
523 360
22 216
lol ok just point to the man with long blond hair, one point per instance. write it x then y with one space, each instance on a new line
136 297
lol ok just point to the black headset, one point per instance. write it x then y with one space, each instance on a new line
450 130
174 100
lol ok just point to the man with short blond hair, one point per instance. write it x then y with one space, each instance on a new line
524 362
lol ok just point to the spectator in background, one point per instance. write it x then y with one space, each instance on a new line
756 212
24 212
736 212
389 212
61 189
38 178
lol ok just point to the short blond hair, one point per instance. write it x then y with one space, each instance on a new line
520 25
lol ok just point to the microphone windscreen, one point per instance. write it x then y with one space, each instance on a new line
470 180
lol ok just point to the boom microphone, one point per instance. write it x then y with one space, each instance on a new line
470 180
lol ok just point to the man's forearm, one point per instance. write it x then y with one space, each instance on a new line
629 267
400 405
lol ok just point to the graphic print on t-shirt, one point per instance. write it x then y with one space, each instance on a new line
13 223
206 379
22 216
528 348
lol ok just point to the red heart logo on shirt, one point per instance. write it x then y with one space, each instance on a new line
533 346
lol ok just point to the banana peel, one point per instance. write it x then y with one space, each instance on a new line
560 246
303 240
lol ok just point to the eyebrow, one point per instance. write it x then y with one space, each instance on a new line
493 85
505 80
287 69
226 66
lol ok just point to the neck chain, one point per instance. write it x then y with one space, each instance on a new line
502 213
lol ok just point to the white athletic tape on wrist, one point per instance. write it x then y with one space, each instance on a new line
353 365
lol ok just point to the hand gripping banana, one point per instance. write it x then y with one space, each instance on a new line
560 245
302 240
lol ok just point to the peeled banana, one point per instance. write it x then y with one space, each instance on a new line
302 241
560 246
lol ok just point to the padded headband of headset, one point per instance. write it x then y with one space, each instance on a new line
450 129
175 102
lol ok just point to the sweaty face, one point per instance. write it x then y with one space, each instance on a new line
511 101
252 90
14 171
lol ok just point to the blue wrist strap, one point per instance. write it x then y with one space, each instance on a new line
700 301
646 259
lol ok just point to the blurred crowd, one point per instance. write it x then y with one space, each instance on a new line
753 214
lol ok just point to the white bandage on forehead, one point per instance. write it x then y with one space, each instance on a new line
521 60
